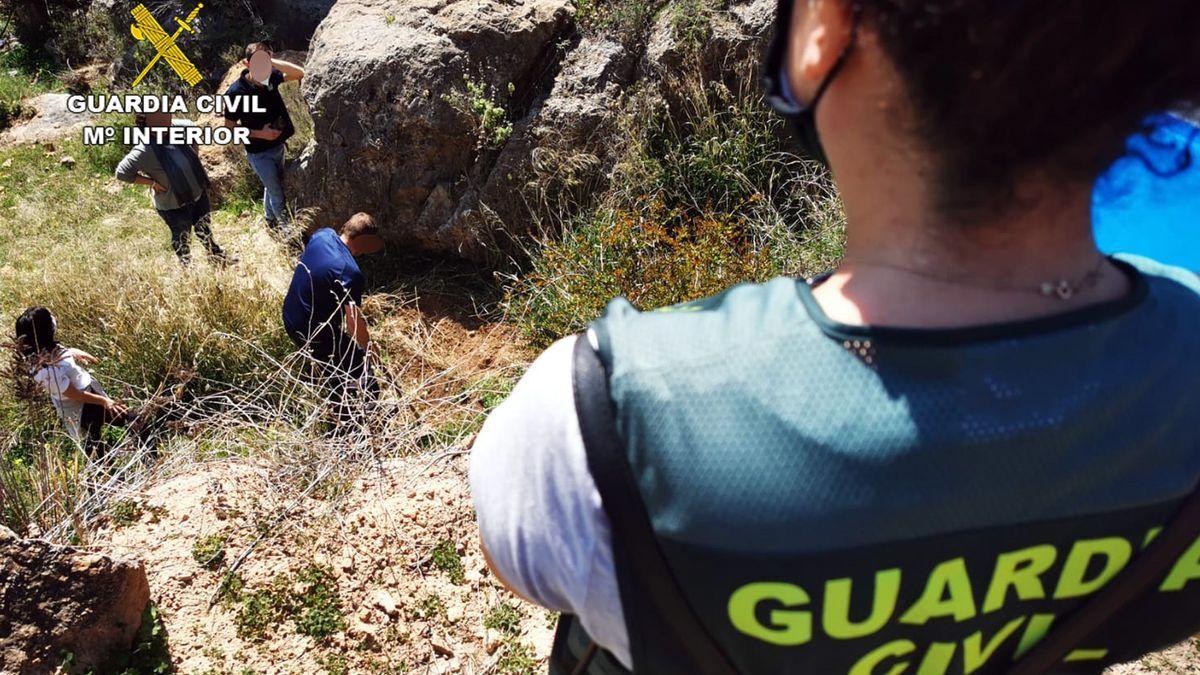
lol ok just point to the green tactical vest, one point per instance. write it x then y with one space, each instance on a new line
792 495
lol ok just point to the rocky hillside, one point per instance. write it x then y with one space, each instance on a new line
444 121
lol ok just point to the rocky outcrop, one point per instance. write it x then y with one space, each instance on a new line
399 133
51 120
294 21
392 115
63 604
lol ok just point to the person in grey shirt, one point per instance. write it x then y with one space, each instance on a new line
178 185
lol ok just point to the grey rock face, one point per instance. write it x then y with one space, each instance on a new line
59 600
390 108
51 121
398 134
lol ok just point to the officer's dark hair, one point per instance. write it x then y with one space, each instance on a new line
35 332
1001 89
254 47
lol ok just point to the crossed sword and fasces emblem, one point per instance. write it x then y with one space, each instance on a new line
146 27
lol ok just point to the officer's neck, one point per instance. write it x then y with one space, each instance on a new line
907 263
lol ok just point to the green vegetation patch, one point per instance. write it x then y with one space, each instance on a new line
125 512
504 617
209 552
445 557
309 599
517 659
704 196
320 608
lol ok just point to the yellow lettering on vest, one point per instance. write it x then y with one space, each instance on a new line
1086 655
1035 630
975 654
937 659
789 628
1021 571
891 650
1150 536
1186 569
1071 584
947 593
836 614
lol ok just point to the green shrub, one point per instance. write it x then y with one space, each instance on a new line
697 204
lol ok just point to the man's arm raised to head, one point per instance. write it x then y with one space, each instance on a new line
291 72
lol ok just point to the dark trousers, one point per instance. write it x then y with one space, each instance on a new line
183 220
91 424
341 369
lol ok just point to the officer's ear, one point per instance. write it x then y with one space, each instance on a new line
820 32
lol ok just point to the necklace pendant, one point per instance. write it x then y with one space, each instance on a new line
1064 291
1047 289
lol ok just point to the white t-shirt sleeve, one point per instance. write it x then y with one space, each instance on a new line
57 378
540 515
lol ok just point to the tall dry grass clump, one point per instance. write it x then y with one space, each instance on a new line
704 195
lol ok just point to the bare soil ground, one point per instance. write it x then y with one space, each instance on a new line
402 612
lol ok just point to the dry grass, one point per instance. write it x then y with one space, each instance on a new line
702 197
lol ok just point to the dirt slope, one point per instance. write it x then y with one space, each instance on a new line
402 612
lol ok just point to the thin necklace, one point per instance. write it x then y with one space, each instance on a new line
1063 288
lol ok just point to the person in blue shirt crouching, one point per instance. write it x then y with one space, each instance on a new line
322 311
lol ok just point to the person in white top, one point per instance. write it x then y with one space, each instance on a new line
82 404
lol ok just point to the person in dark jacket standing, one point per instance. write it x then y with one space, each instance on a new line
269 129
178 186
322 311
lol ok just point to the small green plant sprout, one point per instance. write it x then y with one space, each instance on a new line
517 659
445 557
209 552
504 617
492 124
125 512
389 19
334 664
430 607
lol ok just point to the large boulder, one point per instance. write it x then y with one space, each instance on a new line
60 603
405 123
50 121
392 115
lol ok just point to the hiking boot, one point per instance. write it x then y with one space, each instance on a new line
222 260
